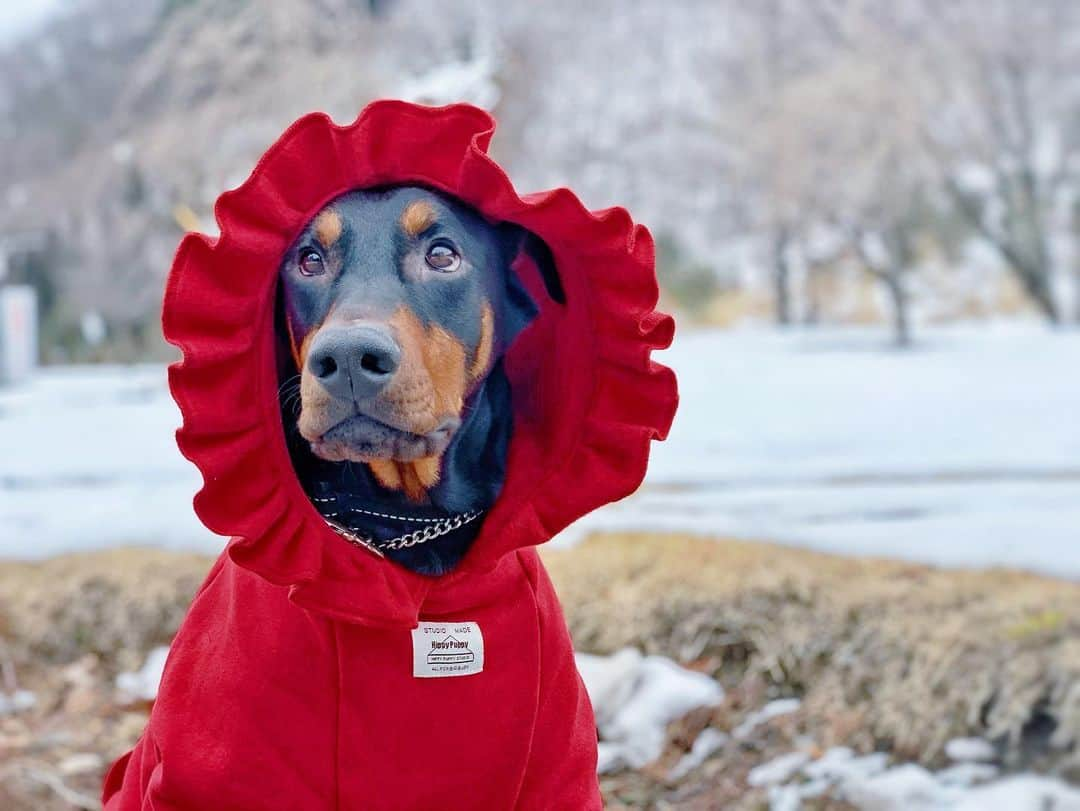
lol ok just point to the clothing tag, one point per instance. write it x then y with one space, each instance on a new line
447 649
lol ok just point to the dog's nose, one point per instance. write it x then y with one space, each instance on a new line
353 362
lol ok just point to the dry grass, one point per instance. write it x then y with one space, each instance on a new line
886 655
67 625
115 604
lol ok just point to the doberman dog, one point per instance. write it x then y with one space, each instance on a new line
395 308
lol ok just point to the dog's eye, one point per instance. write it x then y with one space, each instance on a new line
311 262
442 257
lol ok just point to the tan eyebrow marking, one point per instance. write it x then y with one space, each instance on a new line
417 217
328 227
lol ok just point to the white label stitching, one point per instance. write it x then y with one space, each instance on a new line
447 649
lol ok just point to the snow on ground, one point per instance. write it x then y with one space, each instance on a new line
143 684
869 783
634 698
963 451
16 701
89 460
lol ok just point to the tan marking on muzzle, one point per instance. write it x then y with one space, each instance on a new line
300 351
294 350
427 470
417 217
418 477
428 387
486 346
328 227
415 478
386 473
429 384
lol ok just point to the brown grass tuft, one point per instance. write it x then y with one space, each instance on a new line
885 654
115 604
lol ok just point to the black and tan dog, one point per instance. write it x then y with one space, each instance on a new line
396 306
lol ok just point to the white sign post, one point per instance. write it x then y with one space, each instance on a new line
18 332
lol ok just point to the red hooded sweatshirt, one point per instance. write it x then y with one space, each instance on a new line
310 674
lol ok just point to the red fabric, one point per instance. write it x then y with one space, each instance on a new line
289 684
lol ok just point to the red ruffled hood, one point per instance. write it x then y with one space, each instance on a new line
588 398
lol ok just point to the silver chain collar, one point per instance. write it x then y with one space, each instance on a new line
436 529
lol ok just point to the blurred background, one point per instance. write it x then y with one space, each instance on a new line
860 542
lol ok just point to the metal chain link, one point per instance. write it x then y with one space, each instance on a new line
429 533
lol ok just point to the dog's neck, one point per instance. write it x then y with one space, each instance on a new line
471 473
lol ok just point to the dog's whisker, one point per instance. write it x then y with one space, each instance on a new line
289 395
292 381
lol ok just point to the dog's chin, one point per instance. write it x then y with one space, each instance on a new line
361 438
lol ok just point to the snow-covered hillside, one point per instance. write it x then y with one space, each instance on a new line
964 451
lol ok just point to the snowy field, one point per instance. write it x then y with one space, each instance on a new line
963 451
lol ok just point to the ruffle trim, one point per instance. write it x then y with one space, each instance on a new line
573 450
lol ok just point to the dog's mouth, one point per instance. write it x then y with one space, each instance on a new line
362 438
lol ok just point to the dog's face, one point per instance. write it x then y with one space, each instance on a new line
397 303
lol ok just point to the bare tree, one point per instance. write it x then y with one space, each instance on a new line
888 252
883 228
1001 78
839 148
777 167
743 130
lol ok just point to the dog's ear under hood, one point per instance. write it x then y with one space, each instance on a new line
587 398
521 309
